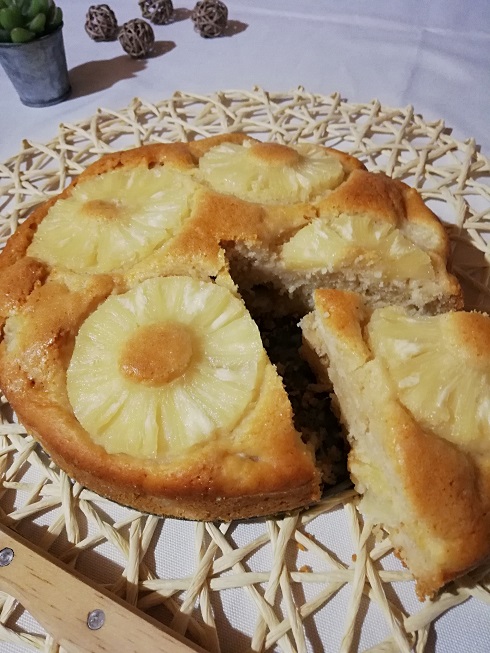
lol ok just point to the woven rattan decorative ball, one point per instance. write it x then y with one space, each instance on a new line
101 23
158 11
137 38
210 18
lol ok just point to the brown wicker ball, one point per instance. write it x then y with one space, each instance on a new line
210 18
101 23
137 38
158 11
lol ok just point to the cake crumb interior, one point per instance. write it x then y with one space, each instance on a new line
310 398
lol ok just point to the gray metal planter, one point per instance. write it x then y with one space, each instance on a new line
38 69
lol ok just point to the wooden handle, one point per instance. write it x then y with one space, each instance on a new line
79 616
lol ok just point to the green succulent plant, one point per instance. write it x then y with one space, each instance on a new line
25 20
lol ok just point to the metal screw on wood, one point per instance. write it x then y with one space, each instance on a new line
96 619
6 556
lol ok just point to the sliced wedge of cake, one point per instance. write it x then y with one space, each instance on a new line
413 393
163 398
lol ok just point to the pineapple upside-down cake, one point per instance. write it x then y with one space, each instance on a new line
130 347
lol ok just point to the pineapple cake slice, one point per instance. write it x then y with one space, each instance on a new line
164 366
110 221
413 393
161 398
270 172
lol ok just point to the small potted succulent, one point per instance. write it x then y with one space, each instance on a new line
32 51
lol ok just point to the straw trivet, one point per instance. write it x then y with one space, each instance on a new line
319 580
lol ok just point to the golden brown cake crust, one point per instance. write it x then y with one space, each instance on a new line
264 467
446 486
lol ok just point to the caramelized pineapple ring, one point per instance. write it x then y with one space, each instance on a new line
268 172
111 221
164 366
445 384
348 239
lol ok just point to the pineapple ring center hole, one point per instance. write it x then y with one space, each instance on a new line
101 209
157 354
275 154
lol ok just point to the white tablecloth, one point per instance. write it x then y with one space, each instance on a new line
432 55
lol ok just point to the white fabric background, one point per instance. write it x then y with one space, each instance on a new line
433 55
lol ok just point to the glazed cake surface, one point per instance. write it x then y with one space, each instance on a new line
127 350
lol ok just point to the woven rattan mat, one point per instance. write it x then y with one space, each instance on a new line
319 580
